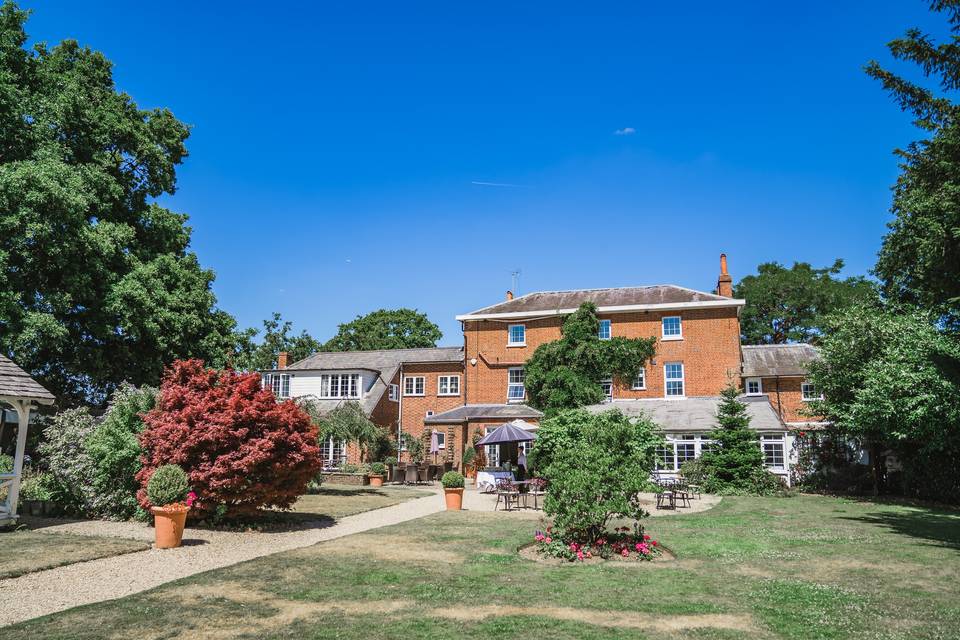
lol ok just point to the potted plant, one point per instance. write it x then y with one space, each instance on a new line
377 470
452 490
391 464
469 457
168 491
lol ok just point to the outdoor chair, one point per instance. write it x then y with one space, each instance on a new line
666 500
508 492
426 473
536 490
410 474
695 491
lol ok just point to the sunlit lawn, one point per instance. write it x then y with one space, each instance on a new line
337 501
27 551
805 567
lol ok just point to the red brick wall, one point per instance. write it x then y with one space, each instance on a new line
787 398
709 350
415 407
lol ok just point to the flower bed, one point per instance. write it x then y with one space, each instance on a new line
622 545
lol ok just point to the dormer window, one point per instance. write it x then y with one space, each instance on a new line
339 385
672 328
754 387
517 335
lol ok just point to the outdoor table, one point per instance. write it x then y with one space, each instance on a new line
487 480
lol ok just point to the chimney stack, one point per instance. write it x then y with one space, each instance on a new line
282 360
724 282
509 295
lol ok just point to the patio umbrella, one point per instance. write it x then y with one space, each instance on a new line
434 445
516 431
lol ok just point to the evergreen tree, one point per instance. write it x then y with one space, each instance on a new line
733 462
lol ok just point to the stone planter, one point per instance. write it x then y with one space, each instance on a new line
168 523
375 480
454 499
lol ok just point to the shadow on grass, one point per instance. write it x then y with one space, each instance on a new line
935 526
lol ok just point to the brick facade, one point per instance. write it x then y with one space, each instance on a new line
415 407
786 398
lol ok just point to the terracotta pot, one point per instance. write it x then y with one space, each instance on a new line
376 481
454 499
168 525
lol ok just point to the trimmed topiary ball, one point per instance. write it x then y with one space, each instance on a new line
452 480
167 485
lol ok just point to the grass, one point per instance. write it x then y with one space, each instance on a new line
28 551
805 567
337 501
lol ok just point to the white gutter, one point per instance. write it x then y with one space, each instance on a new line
623 308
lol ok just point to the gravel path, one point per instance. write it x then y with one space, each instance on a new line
46 592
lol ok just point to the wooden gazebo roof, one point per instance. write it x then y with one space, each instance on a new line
16 383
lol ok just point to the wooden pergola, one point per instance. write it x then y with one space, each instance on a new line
22 393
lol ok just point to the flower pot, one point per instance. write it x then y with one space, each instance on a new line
454 499
168 524
376 481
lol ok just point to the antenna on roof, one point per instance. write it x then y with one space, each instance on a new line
515 281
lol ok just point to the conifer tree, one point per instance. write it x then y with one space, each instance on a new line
733 461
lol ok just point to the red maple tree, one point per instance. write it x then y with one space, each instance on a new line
239 446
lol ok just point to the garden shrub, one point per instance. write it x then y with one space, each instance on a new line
114 449
167 485
734 463
378 468
6 463
452 480
596 465
36 485
241 448
390 460
71 468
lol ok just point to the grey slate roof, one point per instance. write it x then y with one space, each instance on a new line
665 294
15 382
694 415
385 362
768 360
380 360
483 411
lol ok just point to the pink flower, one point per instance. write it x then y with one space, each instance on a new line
646 537
639 546
573 546
579 555
653 542
191 498
548 540
625 553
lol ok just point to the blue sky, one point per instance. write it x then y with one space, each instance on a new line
337 153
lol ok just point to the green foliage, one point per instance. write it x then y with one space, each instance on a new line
347 422
469 455
734 461
596 465
385 329
277 336
378 468
390 460
414 447
71 468
36 486
97 283
6 463
115 451
919 262
452 480
788 305
168 485
566 373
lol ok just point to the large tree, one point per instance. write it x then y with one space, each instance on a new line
566 373
919 261
97 284
891 379
253 355
385 329
788 305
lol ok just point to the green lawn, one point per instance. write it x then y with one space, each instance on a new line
27 551
805 567
334 501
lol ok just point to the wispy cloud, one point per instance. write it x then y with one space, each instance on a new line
626 131
498 184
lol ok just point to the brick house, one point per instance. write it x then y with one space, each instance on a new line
462 391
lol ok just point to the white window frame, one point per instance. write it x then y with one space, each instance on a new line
417 382
803 392
663 327
673 443
351 379
449 379
278 383
776 440
441 440
759 391
609 325
328 449
492 450
510 342
682 379
605 384
642 377
513 385
394 393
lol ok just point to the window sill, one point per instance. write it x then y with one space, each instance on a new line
638 388
414 395
511 345
675 397
448 395
670 338
516 400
